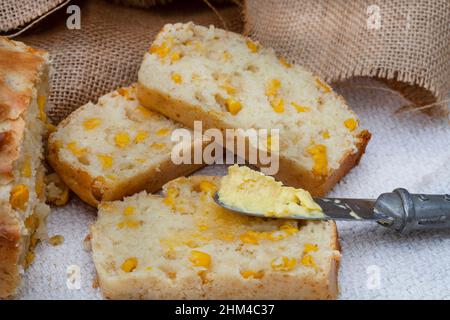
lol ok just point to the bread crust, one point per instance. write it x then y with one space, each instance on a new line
186 114
23 65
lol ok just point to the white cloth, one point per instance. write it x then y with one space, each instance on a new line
410 150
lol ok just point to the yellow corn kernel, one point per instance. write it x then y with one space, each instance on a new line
272 87
177 78
41 104
321 85
105 160
158 146
289 229
29 258
129 264
200 259
285 63
300 108
250 273
31 222
249 237
319 155
226 56
63 198
50 128
172 193
325 134
308 261
33 241
122 139
233 106
283 263
252 46
144 111
128 211
72 146
203 274
91 123
202 226
208 187
56 240
277 105
175 57
351 124
129 224
127 93
310 247
161 50
26 169
228 88
19 196
162 132
140 160
141 136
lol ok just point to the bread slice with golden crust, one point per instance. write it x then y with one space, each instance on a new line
228 81
115 148
23 90
184 246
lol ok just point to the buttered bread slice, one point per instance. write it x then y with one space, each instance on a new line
23 91
115 148
228 81
184 246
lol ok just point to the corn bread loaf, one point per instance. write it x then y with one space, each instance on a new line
23 91
228 81
114 148
184 246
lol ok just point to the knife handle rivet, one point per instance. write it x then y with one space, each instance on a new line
423 198
447 197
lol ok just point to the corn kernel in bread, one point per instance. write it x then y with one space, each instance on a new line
251 191
228 81
23 90
183 246
114 148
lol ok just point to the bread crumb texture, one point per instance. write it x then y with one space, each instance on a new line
113 146
241 84
184 246
112 138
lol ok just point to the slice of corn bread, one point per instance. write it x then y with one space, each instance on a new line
184 246
114 148
23 90
228 81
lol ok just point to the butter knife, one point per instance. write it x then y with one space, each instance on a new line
398 210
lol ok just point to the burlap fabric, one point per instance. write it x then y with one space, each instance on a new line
16 14
339 39
108 49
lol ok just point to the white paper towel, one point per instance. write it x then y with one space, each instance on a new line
410 150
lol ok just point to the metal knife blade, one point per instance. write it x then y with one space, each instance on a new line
333 209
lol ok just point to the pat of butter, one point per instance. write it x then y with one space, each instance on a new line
252 191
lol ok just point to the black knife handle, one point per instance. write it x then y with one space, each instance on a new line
405 212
